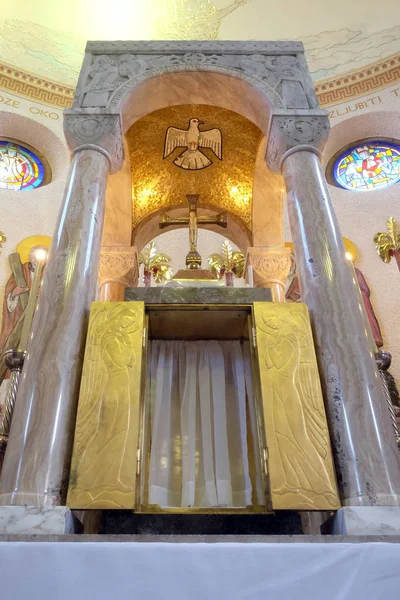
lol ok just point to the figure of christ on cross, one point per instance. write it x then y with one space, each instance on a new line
193 258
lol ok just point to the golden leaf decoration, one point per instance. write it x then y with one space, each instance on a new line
3 238
215 262
228 261
238 263
394 233
227 253
163 273
156 262
387 243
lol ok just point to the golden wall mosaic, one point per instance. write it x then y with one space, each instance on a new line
225 184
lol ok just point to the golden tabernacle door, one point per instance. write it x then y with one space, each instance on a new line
111 447
106 458
297 446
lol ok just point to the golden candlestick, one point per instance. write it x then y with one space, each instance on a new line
40 255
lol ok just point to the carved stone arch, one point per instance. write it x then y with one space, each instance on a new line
266 82
117 100
148 229
210 87
275 73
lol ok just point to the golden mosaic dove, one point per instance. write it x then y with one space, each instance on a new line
193 139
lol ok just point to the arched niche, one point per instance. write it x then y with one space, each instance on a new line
224 90
202 87
149 228
40 137
376 125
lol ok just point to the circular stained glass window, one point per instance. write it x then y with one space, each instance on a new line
371 165
20 167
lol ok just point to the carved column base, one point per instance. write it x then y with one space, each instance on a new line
118 269
271 268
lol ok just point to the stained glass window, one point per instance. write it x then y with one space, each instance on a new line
20 167
371 165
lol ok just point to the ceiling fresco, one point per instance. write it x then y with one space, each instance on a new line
226 183
48 38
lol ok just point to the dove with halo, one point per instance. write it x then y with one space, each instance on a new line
192 139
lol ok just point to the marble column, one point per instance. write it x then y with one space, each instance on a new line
36 466
366 456
271 268
118 269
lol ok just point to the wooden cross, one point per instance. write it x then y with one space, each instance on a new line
193 258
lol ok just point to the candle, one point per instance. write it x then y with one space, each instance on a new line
141 275
41 256
250 277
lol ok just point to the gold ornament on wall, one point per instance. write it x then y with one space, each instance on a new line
388 244
155 264
3 239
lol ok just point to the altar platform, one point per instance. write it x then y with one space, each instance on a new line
200 567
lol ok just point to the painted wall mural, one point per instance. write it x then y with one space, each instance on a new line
23 263
340 51
20 168
371 165
339 45
193 19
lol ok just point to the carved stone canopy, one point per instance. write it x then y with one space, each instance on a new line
277 70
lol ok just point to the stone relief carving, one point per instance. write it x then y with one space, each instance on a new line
101 81
286 132
103 131
283 77
270 266
277 69
118 264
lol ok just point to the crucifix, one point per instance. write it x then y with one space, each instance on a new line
193 258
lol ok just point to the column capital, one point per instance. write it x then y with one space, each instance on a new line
291 133
102 133
270 265
118 264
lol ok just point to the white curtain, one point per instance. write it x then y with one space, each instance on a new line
202 414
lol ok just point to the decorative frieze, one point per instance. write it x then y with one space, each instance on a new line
278 69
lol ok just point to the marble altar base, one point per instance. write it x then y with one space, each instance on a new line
364 520
47 520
